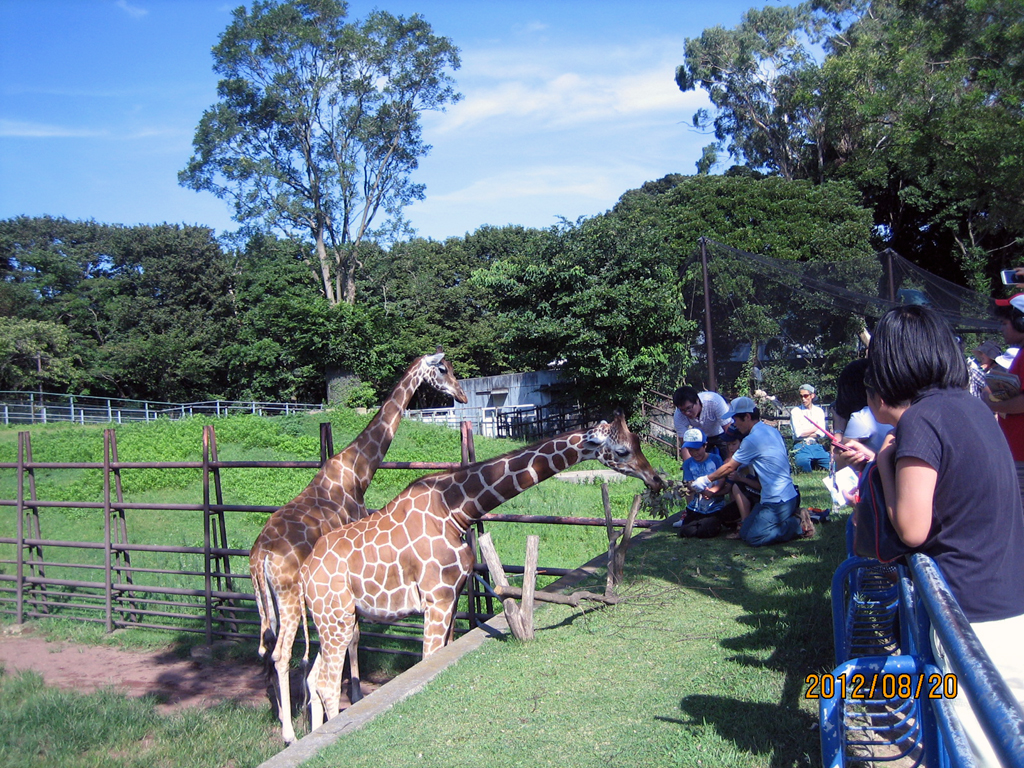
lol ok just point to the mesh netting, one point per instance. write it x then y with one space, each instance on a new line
798 315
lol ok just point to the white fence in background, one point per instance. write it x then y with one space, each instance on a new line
486 421
44 408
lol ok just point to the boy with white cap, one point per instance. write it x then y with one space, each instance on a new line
778 516
707 509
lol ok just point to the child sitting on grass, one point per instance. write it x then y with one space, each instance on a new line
707 510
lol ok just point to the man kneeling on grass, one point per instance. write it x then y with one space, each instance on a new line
778 516
706 510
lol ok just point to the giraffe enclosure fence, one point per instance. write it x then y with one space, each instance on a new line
202 585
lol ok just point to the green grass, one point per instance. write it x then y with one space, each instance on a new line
703 665
45 728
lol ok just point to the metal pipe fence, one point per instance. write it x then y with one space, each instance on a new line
198 586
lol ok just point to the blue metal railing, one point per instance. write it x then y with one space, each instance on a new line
924 604
998 712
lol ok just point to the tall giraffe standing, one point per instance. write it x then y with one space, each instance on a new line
410 557
333 497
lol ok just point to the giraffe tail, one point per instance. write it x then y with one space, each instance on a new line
267 602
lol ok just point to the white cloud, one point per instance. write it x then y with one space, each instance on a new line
548 91
15 129
132 10
545 181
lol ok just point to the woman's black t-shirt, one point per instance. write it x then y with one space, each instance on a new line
977 533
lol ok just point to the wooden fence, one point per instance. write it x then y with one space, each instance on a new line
209 592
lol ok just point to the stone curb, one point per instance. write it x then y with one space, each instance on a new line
415 679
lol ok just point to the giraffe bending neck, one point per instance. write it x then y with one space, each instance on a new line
471 492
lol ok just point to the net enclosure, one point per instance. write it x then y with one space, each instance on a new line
774 321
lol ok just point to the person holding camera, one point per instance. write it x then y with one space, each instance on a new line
1011 411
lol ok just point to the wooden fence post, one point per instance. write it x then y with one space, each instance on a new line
512 612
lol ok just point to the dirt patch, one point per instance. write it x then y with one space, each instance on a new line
175 682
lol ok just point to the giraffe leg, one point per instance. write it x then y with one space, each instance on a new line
290 612
355 690
438 625
335 637
316 702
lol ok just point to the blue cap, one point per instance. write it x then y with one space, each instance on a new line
740 405
693 438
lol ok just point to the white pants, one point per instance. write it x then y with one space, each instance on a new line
1002 642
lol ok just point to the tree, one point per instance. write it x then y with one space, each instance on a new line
917 103
33 354
317 127
761 77
597 297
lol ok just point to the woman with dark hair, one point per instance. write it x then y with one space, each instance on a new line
950 485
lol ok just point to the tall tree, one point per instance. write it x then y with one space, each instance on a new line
762 79
918 103
317 127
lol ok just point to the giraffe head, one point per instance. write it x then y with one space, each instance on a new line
436 372
617 448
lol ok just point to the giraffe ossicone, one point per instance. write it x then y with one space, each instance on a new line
334 497
410 556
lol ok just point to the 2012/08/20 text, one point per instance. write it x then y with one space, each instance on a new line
882 685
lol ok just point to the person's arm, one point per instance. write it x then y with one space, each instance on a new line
750 481
858 458
1013 405
730 465
909 488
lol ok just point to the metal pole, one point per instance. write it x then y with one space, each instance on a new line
108 581
712 380
20 556
207 579
892 278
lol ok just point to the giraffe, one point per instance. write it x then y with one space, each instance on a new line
332 498
410 556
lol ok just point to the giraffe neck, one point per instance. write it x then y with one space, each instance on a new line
471 492
373 442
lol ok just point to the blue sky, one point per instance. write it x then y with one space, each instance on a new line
566 105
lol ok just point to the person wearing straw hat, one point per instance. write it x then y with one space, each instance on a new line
777 517
808 453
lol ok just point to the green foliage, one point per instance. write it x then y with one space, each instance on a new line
35 353
598 296
316 128
143 311
917 103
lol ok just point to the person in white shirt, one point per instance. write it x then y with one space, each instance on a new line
701 410
808 453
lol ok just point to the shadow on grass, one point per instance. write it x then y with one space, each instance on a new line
783 592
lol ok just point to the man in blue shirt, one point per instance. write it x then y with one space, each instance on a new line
778 516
